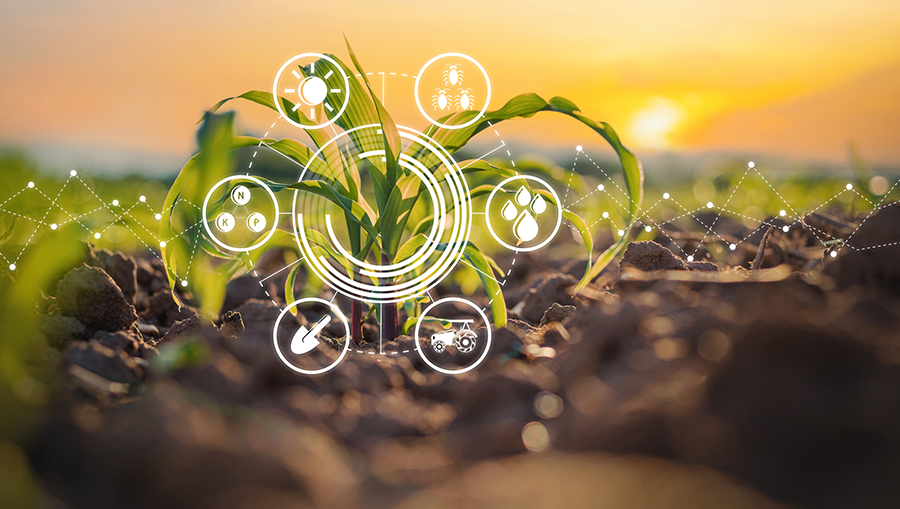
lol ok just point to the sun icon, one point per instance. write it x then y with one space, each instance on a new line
319 86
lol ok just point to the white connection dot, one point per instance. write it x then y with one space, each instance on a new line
73 173
12 266
732 247
849 186
162 243
648 229
184 283
578 148
142 198
621 232
709 205
751 164
96 235
53 226
158 216
31 184
665 196
786 228
600 187
690 258
783 213
115 203
605 215
834 254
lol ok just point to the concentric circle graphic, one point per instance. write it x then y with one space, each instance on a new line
317 90
351 222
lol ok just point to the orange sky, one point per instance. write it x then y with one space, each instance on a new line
795 78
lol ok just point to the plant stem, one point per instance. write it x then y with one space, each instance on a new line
356 322
390 319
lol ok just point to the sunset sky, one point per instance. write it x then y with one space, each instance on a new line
794 78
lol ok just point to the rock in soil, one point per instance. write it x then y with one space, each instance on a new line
91 296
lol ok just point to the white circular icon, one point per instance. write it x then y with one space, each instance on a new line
305 339
460 335
314 90
521 214
431 173
256 222
452 93
225 222
240 195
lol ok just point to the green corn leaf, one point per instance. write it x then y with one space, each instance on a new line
578 223
477 260
474 256
396 212
527 105
289 286
390 135
352 208
410 247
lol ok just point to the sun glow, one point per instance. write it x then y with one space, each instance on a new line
651 126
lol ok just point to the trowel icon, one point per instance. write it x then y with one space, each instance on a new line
304 340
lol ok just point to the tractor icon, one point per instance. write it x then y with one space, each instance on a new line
463 338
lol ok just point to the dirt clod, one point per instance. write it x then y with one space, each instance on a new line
232 324
90 295
703 266
557 313
59 330
554 289
121 341
649 256
181 330
861 263
120 267
104 361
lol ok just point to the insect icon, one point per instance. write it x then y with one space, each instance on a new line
453 75
465 100
441 101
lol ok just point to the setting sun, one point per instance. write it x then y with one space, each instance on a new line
651 126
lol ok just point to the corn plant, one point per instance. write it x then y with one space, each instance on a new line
381 233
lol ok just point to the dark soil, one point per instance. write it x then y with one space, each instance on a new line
665 383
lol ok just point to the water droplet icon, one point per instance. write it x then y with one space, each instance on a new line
509 211
523 196
539 205
526 228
